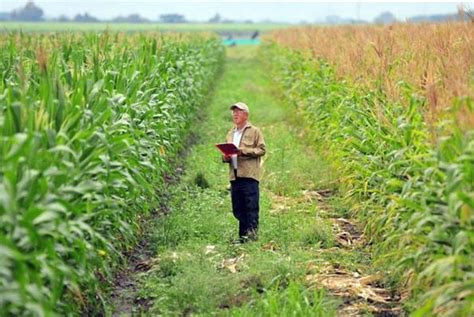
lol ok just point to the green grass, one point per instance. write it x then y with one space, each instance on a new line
193 273
136 27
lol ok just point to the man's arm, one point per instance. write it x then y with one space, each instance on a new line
258 150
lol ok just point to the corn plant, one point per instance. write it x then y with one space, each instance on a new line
88 124
415 195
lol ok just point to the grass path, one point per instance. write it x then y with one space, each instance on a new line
305 247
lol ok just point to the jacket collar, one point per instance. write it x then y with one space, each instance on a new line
247 125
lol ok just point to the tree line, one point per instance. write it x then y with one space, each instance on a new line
33 13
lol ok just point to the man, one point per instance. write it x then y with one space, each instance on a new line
244 171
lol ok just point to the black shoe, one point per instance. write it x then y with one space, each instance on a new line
251 236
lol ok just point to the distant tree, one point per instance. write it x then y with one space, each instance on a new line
63 18
334 19
215 19
119 19
433 18
5 16
30 12
85 18
355 21
136 18
172 18
132 18
385 18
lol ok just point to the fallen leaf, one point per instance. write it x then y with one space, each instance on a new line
232 263
210 249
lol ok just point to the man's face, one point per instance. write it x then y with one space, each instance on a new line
239 116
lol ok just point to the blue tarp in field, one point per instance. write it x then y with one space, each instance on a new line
232 42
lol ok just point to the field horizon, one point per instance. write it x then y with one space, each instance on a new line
136 27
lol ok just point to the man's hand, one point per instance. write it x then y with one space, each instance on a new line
227 158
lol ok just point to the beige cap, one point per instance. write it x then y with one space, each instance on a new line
241 106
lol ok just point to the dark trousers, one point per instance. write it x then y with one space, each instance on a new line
245 206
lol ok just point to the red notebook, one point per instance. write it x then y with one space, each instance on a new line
227 148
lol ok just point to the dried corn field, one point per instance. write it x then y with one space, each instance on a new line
437 60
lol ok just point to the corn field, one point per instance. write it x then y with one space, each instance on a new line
89 124
414 191
433 60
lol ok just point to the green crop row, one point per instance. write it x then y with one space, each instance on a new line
411 183
88 126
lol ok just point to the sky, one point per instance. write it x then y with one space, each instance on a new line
257 11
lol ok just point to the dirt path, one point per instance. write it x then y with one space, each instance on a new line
359 292
124 299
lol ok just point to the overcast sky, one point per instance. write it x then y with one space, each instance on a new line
283 11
